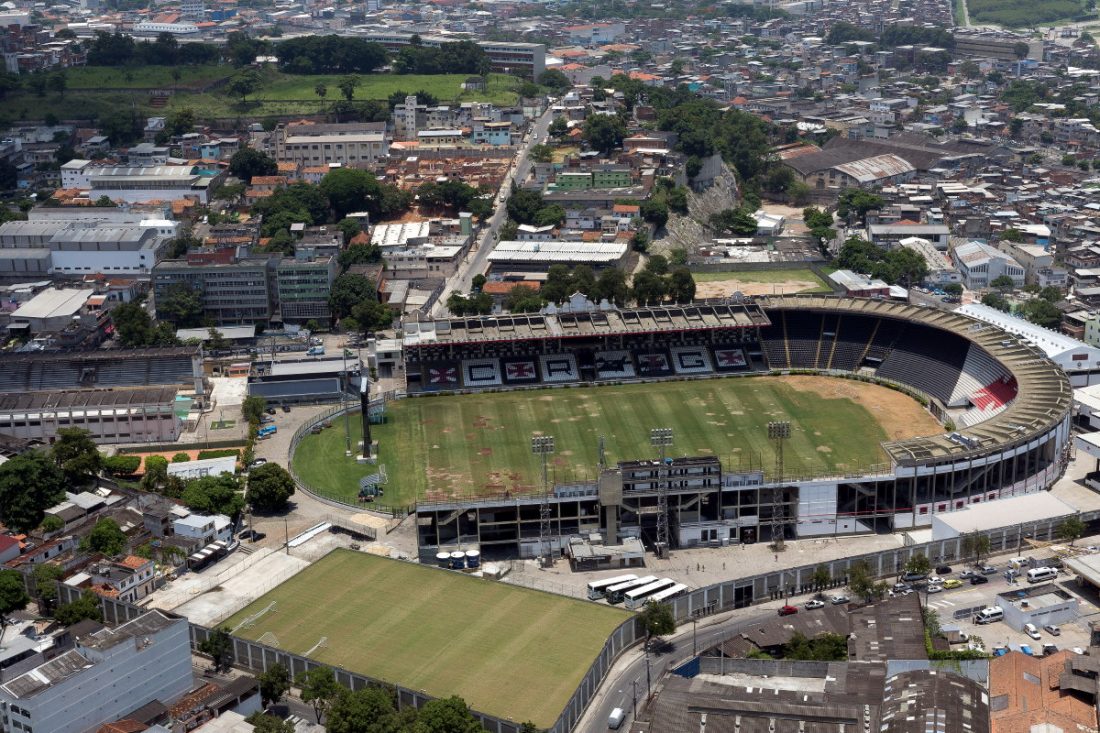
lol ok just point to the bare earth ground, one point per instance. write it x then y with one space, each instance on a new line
899 414
723 288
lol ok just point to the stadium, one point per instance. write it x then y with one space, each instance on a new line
998 421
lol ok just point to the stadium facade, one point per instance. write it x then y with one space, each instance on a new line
1004 405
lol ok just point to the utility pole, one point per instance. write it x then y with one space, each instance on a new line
543 445
661 438
344 402
634 687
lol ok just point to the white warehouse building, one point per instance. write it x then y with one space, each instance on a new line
980 264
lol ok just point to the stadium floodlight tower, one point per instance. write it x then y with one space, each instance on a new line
543 445
779 431
661 438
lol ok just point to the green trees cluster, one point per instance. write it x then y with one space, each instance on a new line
455 195
528 207
249 162
374 708
659 282
30 483
858 202
899 265
214 495
604 132
350 189
106 538
561 282
354 300
181 306
118 49
269 488
474 304
330 54
463 57
825 647
136 328
739 222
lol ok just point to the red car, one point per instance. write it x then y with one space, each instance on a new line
787 611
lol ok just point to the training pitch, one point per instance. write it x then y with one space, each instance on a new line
480 444
508 651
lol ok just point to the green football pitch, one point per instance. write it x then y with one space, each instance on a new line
479 444
508 651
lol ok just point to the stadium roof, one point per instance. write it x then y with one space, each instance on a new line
701 316
1054 344
1043 400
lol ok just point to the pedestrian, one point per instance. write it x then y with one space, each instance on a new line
723 567
777 557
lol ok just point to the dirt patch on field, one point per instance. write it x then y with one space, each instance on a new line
899 414
724 288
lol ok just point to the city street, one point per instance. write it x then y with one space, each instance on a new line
476 260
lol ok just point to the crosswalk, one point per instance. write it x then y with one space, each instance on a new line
941 604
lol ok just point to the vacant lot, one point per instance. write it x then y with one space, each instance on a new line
508 651
758 282
469 445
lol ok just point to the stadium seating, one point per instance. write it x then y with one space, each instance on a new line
928 359
558 368
845 349
653 363
614 365
729 358
520 370
691 360
481 373
803 339
440 375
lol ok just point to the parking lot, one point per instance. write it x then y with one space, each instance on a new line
957 608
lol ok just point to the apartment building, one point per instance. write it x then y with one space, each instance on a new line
303 284
345 143
109 674
234 290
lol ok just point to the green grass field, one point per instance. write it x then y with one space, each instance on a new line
96 91
469 445
520 654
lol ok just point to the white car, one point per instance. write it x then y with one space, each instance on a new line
811 605
935 580
1031 631
838 600
934 588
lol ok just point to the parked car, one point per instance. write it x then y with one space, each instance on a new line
952 583
1049 649
935 579
788 611
1031 631
252 535
815 603
968 574
1027 650
910 577
270 411
257 462
934 588
286 408
1052 629
988 570
838 600
943 570
899 587
978 580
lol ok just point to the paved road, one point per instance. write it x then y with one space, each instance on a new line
475 263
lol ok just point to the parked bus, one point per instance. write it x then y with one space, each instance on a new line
667 594
637 597
616 593
597 589
266 430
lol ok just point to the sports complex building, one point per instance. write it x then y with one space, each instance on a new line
1005 408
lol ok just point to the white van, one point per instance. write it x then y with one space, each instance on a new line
989 614
615 719
1038 575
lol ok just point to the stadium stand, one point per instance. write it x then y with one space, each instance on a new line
928 359
47 371
614 365
481 373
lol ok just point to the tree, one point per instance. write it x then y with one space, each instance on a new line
121 465
181 305
655 212
604 132
243 84
262 722
611 284
249 162
253 409
319 689
269 488
369 710
1002 283
87 607
46 575
13 596
106 538
181 457
156 472
348 85
1071 528
918 563
649 288
321 90
214 495
350 189
681 285
657 619
446 716
975 545
58 82
522 299
274 683
523 206
348 291
30 483
51 523
740 222
860 580
219 647
77 456
555 80
996 300
1041 312
821 577
372 315
953 289
858 201
559 127
542 153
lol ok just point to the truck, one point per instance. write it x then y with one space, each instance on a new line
316 351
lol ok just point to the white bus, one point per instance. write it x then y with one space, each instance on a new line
598 588
637 597
667 594
616 593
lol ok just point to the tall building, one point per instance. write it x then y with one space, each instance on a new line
234 290
345 143
109 674
304 283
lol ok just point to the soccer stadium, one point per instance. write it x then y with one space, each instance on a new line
973 414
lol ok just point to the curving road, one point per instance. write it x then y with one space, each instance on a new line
476 261
629 672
